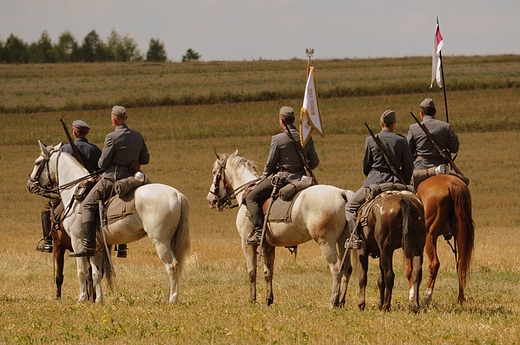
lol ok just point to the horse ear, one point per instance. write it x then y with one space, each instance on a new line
216 153
235 153
58 147
43 148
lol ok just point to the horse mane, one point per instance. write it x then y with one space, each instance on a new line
236 161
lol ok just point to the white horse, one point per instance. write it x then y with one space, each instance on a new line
318 214
161 212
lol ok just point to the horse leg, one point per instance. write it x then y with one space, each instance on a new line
434 264
269 254
83 271
363 270
59 254
386 280
414 276
328 250
251 259
172 268
346 272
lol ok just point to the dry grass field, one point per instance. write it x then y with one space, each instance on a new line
214 304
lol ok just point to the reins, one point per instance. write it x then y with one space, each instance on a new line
226 201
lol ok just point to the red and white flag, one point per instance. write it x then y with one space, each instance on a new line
310 116
438 42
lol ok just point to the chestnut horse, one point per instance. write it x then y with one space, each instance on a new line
447 208
395 220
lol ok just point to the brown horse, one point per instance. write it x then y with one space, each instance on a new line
395 220
447 208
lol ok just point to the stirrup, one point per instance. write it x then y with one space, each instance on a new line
44 247
353 243
253 238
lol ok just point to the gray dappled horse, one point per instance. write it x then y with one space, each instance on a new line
318 214
161 213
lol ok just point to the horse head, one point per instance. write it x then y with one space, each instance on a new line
41 183
221 191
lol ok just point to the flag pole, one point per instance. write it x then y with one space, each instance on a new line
309 52
443 81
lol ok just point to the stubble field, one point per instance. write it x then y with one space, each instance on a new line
184 111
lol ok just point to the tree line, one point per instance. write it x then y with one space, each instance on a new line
92 49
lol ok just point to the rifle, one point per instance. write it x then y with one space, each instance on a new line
77 154
442 152
386 156
300 152
276 183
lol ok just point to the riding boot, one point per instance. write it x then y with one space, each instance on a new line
122 250
46 247
354 242
254 237
89 240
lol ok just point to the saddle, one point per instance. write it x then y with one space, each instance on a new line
374 191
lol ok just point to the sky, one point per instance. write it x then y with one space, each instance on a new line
236 30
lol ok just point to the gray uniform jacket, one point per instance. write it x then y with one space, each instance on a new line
425 154
283 155
90 153
122 147
375 167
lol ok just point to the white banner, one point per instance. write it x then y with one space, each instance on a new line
310 116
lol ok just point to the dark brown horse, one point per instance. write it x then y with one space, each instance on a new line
395 220
447 208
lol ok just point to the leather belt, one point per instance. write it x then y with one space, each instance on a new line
432 157
292 171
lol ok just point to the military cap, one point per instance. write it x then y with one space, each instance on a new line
388 117
80 126
287 111
119 111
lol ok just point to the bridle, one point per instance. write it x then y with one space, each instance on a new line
226 200
52 187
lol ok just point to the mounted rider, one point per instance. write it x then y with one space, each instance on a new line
89 157
378 168
123 153
283 157
432 142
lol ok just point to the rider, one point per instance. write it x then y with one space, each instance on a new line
123 153
377 170
283 156
425 154
90 154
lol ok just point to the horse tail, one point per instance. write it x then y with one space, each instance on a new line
181 242
406 242
465 227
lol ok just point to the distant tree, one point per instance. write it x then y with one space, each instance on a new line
15 50
93 48
42 51
67 49
156 51
191 55
128 50
122 49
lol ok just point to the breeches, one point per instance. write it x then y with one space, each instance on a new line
100 192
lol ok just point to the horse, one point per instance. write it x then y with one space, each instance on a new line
161 213
394 220
318 213
447 206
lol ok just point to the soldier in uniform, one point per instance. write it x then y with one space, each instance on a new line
424 152
283 157
123 153
377 170
90 154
